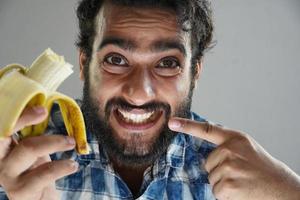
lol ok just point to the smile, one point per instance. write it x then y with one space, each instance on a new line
137 119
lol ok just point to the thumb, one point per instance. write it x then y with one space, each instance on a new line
31 116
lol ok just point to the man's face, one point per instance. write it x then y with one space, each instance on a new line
139 76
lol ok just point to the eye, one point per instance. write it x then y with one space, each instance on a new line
116 59
115 63
168 63
169 66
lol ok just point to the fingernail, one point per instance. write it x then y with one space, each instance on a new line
39 109
70 140
174 124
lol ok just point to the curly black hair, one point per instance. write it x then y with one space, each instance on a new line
194 16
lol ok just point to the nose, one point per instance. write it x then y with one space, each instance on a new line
139 88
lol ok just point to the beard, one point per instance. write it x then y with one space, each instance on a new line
132 152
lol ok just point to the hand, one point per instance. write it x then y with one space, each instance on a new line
26 171
239 168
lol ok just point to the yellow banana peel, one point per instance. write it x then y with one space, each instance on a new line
22 87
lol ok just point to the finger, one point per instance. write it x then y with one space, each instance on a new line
39 161
50 189
30 149
216 175
31 116
216 157
204 130
48 173
225 189
5 144
228 169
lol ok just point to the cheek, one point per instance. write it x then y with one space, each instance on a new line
174 90
104 87
183 83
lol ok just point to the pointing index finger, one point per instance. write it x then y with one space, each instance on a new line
204 130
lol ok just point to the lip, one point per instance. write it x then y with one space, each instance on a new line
136 127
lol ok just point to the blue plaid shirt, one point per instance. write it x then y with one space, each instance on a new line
177 175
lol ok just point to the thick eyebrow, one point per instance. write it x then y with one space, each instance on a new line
168 44
122 43
157 46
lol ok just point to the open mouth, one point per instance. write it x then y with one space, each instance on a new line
137 119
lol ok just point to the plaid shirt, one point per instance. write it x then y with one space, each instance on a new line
177 175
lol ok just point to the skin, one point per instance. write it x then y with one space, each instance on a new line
141 81
239 168
138 84
26 171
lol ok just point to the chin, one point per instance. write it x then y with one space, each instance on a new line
137 138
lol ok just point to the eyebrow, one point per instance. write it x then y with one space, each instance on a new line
168 44
122 43
157 46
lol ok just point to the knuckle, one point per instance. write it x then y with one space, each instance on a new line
229 166
225 189
219 192
3 174
46 174
54 169
206 166
229 185
12 186
60 140
209 128
243 138
211 179
27 146
50 172
225 151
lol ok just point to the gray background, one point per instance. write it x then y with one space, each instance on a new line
250 79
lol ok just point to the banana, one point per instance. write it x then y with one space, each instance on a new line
22 87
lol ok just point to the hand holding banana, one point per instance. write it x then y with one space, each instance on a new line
36 85
239 168
26 97
26 171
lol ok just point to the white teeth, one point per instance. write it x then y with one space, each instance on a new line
137 118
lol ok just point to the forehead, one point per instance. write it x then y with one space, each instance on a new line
141 24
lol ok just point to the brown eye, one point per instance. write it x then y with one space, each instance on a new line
169 63
115 64
116 59
168 67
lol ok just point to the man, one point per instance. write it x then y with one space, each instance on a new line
140 61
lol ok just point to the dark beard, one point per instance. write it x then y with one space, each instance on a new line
100 127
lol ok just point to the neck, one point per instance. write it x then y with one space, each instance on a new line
132 176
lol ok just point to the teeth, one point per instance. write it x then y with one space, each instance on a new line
136 118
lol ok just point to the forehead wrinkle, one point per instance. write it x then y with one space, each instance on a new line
129 24
140 25
136 17
153 13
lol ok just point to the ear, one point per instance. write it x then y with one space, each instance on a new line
82 61
198 69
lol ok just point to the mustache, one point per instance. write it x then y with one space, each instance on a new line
119 102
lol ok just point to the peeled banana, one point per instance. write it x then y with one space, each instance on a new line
21 87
